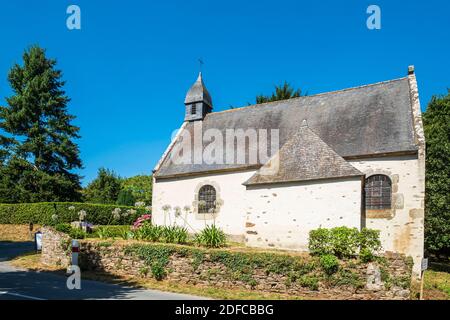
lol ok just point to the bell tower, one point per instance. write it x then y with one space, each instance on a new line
198 101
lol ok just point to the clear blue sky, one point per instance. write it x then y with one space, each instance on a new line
129 67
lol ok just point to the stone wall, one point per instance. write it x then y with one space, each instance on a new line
56 247
111 257
115 258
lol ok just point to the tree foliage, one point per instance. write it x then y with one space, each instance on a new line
37 149
437 133
104 188
282 92
140 187
125 198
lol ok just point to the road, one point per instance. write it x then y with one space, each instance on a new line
19 284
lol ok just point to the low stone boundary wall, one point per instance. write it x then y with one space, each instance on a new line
56 248
253 270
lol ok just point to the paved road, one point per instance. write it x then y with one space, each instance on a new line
28 285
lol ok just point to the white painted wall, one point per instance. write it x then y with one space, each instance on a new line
284 220
404 233
181 192
281 216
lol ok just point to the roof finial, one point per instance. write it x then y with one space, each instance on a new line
304 123
411 70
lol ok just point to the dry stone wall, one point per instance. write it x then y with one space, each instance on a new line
201 267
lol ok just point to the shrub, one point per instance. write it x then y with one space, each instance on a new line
320 242
63 227
211 237
148 232
175 235
76 233
343 242
366 255
105 232
309 282
169 234
158 271
329 264
41 213
370 239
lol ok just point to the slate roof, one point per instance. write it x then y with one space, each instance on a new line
369 120
198 92
303 157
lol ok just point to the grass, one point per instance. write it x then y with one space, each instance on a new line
31 261
16 233
437 285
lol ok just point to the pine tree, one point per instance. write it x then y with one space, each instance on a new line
282 92
39 132
437 133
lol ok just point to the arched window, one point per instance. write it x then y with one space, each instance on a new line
378 192
207 199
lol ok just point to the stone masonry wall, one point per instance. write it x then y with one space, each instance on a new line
55 247
111 257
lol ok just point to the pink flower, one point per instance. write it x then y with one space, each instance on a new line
139 221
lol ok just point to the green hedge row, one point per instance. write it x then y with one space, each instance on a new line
43 213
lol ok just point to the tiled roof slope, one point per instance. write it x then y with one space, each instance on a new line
304 157
368 120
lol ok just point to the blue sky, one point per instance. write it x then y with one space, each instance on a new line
131 64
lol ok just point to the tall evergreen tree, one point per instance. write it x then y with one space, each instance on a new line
282 92
40 136
437 133
104 188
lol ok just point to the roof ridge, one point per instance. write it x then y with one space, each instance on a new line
312 96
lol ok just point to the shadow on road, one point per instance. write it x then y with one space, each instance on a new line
52 285
11 250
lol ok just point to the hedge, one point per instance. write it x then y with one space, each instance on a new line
41 213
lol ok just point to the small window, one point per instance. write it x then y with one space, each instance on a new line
194 109
207 199
378 191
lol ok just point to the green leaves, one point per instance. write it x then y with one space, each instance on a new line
103 189
38 153
437 196
282 92
343 242
211 237
41 213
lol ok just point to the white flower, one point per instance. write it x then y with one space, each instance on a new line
54 217
82 215
116 215
71 208
139 204
116 211
148 208
132 211
166 207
